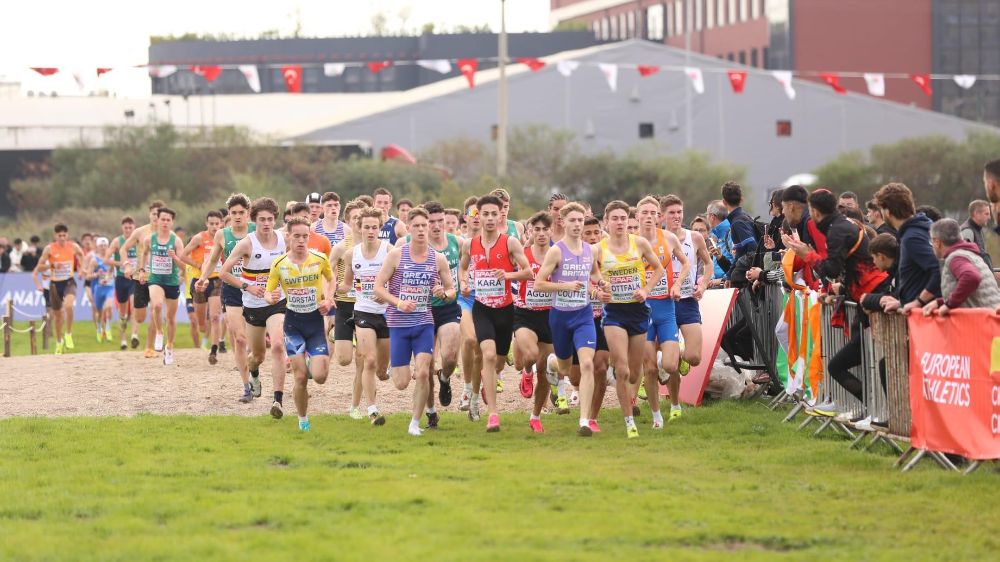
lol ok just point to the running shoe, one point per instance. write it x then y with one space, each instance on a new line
355 413
69 341
59 348
276 411
474 411
415 431
536 426
562 406
149 353
493 423
610 377
499 384
584 431
212 358
432 420
99 334
675 413
247 395
592 424
527 385
657 424
463 404
444 389
376 418
663 376
631 431
255 386
222 346
168 356
304 425
135 341
642 391
574 399
684 368
124 345
158 343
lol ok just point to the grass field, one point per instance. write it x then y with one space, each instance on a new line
85 338
728 479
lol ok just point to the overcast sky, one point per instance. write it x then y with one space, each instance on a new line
115 33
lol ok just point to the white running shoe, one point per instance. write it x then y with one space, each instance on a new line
574 399
168 356
158 343
356 413
415 431
463 404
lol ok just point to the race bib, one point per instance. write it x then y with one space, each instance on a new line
487 285
161 265
535 299
572 299
365 287
661 289
624 285
301 299
62 270
421 295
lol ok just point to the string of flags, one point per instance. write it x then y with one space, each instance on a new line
292 73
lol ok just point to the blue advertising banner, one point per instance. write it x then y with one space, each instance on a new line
29 304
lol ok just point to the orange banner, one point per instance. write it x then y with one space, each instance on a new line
955 383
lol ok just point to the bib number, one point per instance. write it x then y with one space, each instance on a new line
161 265
535 299
487 285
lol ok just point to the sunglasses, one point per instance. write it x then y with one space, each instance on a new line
472 213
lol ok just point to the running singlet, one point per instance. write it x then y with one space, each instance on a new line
624 272
662 251
336 236
229 242
573 267
413 282
453 253
689 282
512 229
163 269
365 271
484 265
132 256
342 264
62 260
198 255
528 297
303 284
257 268
388 231
105 274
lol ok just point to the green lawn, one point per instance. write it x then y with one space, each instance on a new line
85 338
728 479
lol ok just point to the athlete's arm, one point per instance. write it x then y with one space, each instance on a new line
401 229
677 252
552 260
43 263
382 279
133 240
446 290
87 272
272 294
646 252
348 280
175 254
185 253
516 252
701 250
519 228
111 254
463 268
596 280
141 260
217 245
226 274
329 289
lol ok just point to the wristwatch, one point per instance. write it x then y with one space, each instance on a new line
245 285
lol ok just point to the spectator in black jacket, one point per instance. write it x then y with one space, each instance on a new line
972 229
919 280
884 249
4 255
991 183
29 258
742 238
876 220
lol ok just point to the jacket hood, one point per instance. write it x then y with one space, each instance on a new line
963 245
919 221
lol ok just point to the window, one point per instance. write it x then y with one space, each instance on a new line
783 128
743 57
744 9
595 26
732 11
614 29
730 57
765 62
720 10
679 17
622 27
654 22
753 57
631 24
709 14
697 14
645 130
755 9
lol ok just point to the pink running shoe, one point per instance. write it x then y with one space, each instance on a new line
594 427
536 426
493 425
527 385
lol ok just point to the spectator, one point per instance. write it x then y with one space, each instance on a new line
991 183
719 225
772 232
794 206
742 235
15 255
29 258
931 212
972 230
884 249
966 281
848 200
919 272
876 220
700 225
4 255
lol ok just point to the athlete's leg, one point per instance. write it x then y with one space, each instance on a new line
525 348
692 343
586 382
171 310
448 337
255 341
214 320
421 370
367 358
301 380
471 354
156 303
488 348
198 323
600 382
618 347
237 327
276 329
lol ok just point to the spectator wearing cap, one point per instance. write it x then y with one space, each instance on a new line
919 280
314 200
795 208
972 229
966 281
876 220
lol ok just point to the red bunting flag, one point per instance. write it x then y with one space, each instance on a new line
534 64
209 72
101 71
647 70
378 66
468 69
737 79
45 71
833 80
293 78
924 81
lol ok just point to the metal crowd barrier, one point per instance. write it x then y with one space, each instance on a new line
763 308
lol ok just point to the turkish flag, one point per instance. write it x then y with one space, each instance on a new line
737 79
924 81
377 66
293 78
209 73
647 70
534 64
45 71
101 71
833 80
468 69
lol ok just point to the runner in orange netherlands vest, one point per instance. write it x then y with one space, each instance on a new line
60 259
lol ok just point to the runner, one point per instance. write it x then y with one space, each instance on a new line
369 310
257 253
447 313
223 244
472 356
207 303
592 234
626 317
125 286
98 268
315 202
491 258
691 290
662 333
87 246
514 228
403 207
140 298
300 274
413 274
343 328
568 270
60 259
392 228
453 221
531 319
556 203
161 251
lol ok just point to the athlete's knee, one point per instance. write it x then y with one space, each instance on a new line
344 359
320 375
401 382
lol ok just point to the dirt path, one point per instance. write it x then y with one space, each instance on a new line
123 383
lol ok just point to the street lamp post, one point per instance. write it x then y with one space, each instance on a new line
502 95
